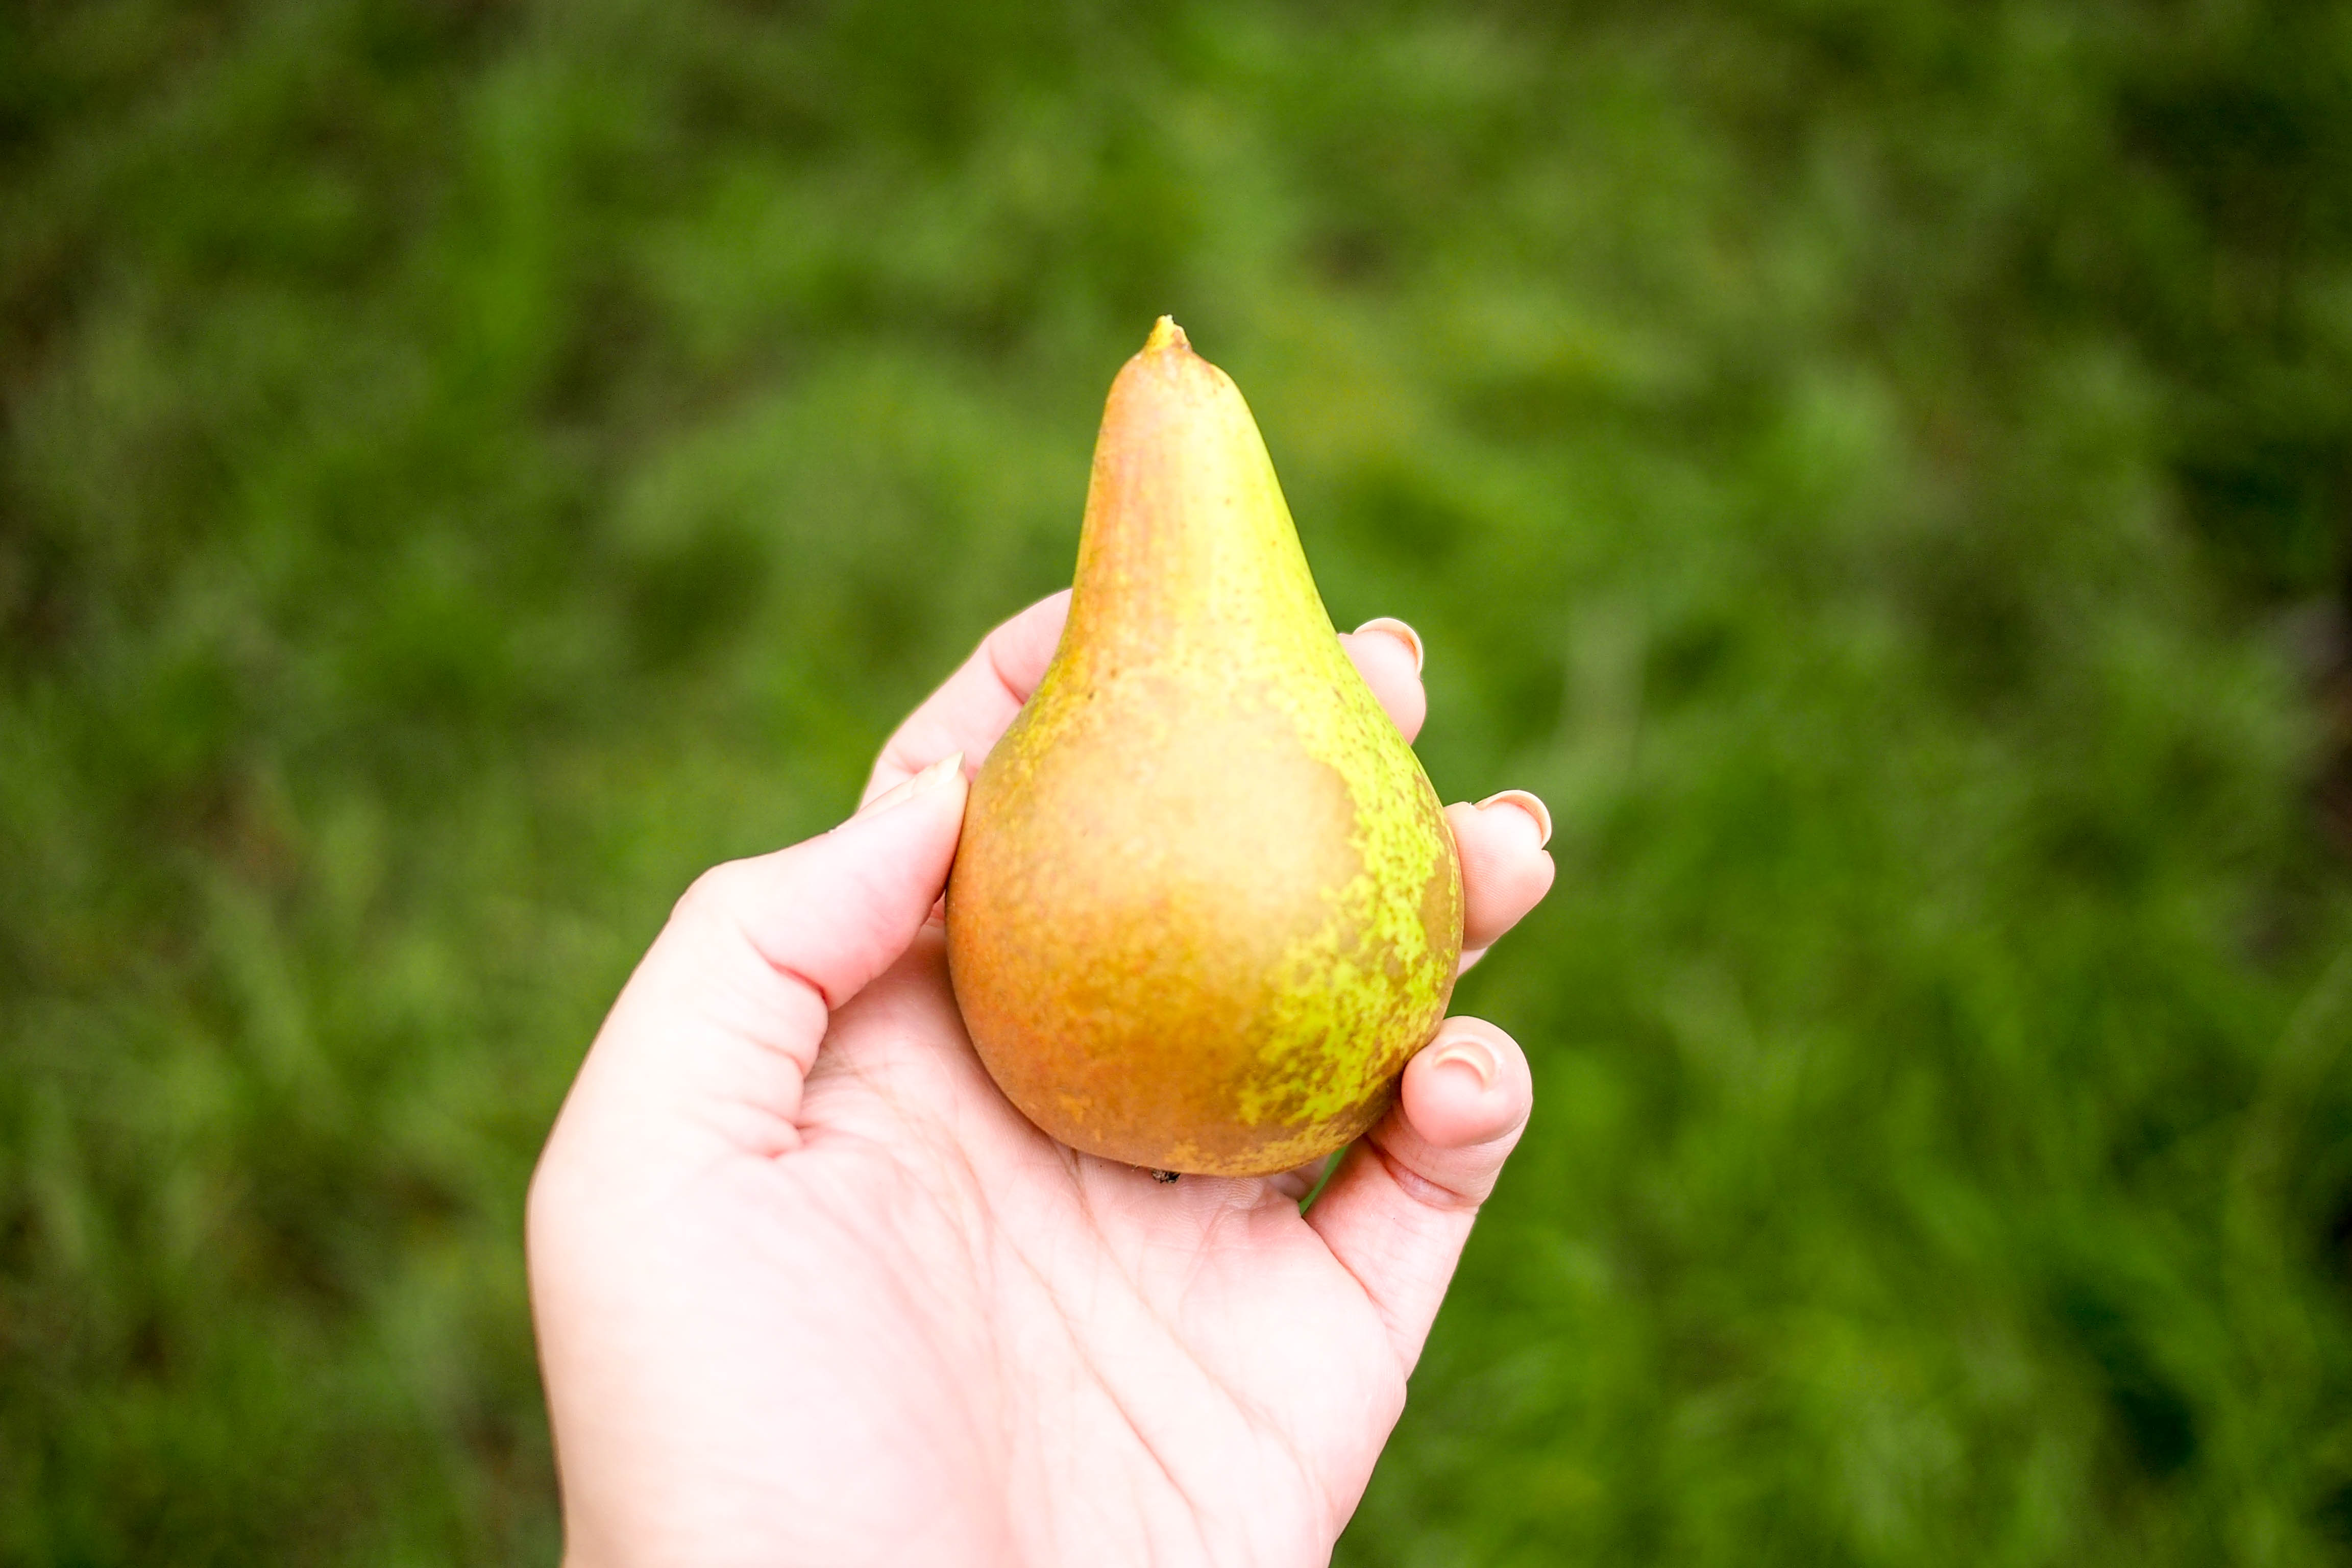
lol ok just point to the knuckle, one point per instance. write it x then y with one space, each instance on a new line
715 894
1430 1193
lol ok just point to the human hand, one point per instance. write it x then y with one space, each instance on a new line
809 1290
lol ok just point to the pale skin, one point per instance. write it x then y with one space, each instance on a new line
808 1289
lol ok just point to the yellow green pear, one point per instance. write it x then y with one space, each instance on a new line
1206 903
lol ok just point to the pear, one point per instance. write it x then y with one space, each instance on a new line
1206 904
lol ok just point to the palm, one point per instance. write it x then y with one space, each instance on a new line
1028 1348
839 1302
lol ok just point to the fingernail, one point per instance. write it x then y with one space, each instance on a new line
1468 1051
1528 804
1398 630
923 782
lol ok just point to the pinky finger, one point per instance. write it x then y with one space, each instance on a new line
1399 1209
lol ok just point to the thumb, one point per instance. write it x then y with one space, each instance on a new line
713 1035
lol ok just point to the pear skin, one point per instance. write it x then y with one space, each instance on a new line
1206 904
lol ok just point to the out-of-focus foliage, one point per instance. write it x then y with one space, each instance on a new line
1876 469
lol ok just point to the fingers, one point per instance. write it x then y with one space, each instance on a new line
721 1022
973 706
1504 870
1387 654
1401 1207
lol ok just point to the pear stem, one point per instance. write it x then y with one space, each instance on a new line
1165 334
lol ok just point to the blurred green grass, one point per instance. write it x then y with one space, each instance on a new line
1879 471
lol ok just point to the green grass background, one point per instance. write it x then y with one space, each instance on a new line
1880 470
